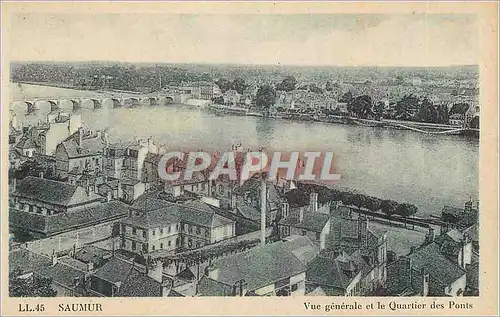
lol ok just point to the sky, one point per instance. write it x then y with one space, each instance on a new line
319 39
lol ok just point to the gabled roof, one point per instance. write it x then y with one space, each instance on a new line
302 247
436 263
331 273
260 266
64 274
27 261
210 287
53 192
313 221
93 145
163 213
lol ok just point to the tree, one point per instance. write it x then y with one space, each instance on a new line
218 100
373 203
406 210
239 85
265 98
33 286
224 84
361 106
329 86
405 107
460 108
378 109
358 200
388 207
474 123
346 198
288 84
428 112
346 97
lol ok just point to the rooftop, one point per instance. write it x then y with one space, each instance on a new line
53 192
260 266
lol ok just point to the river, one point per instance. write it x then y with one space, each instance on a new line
425 170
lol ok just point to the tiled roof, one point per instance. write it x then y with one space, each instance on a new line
260 266
436 263
63 274
452 210
89 146
328 272
172 213
53 192
314 221
210 287
27 261
132 280
302 247
79 218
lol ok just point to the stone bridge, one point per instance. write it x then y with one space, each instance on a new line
75 103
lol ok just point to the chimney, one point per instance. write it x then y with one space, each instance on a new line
413 249
90 266
54 258
285 209
313 202
430 235
14 184
79 140
41 175
425 281
263 207
156 271
113 248
363 230
301 214
108 196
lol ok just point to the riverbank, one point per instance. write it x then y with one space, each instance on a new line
421 127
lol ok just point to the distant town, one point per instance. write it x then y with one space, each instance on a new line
89 216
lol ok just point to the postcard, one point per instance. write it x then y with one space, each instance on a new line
249 158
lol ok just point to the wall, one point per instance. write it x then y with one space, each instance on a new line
324 233
456 286
55 135
66 241
299 279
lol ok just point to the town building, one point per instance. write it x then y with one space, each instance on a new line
46 208
81 151
122 278
309 220
155 225
231 97
270 270
350 234
426 271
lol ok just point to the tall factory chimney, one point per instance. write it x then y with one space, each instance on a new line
263 207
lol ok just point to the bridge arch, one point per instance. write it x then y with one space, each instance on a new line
111 103
90 103
54 105
149 101
169 100
131 102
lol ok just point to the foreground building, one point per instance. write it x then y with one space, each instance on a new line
271 270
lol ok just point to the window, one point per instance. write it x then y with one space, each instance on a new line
154 231
168 229
144 233
30 208
169 243
304 232
198 231
154 247
123 243
318 235
161 246
198 244
426 278
190 243
145 247
133 245
295 287
177 242
161 231
190 229
203 186
206 233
